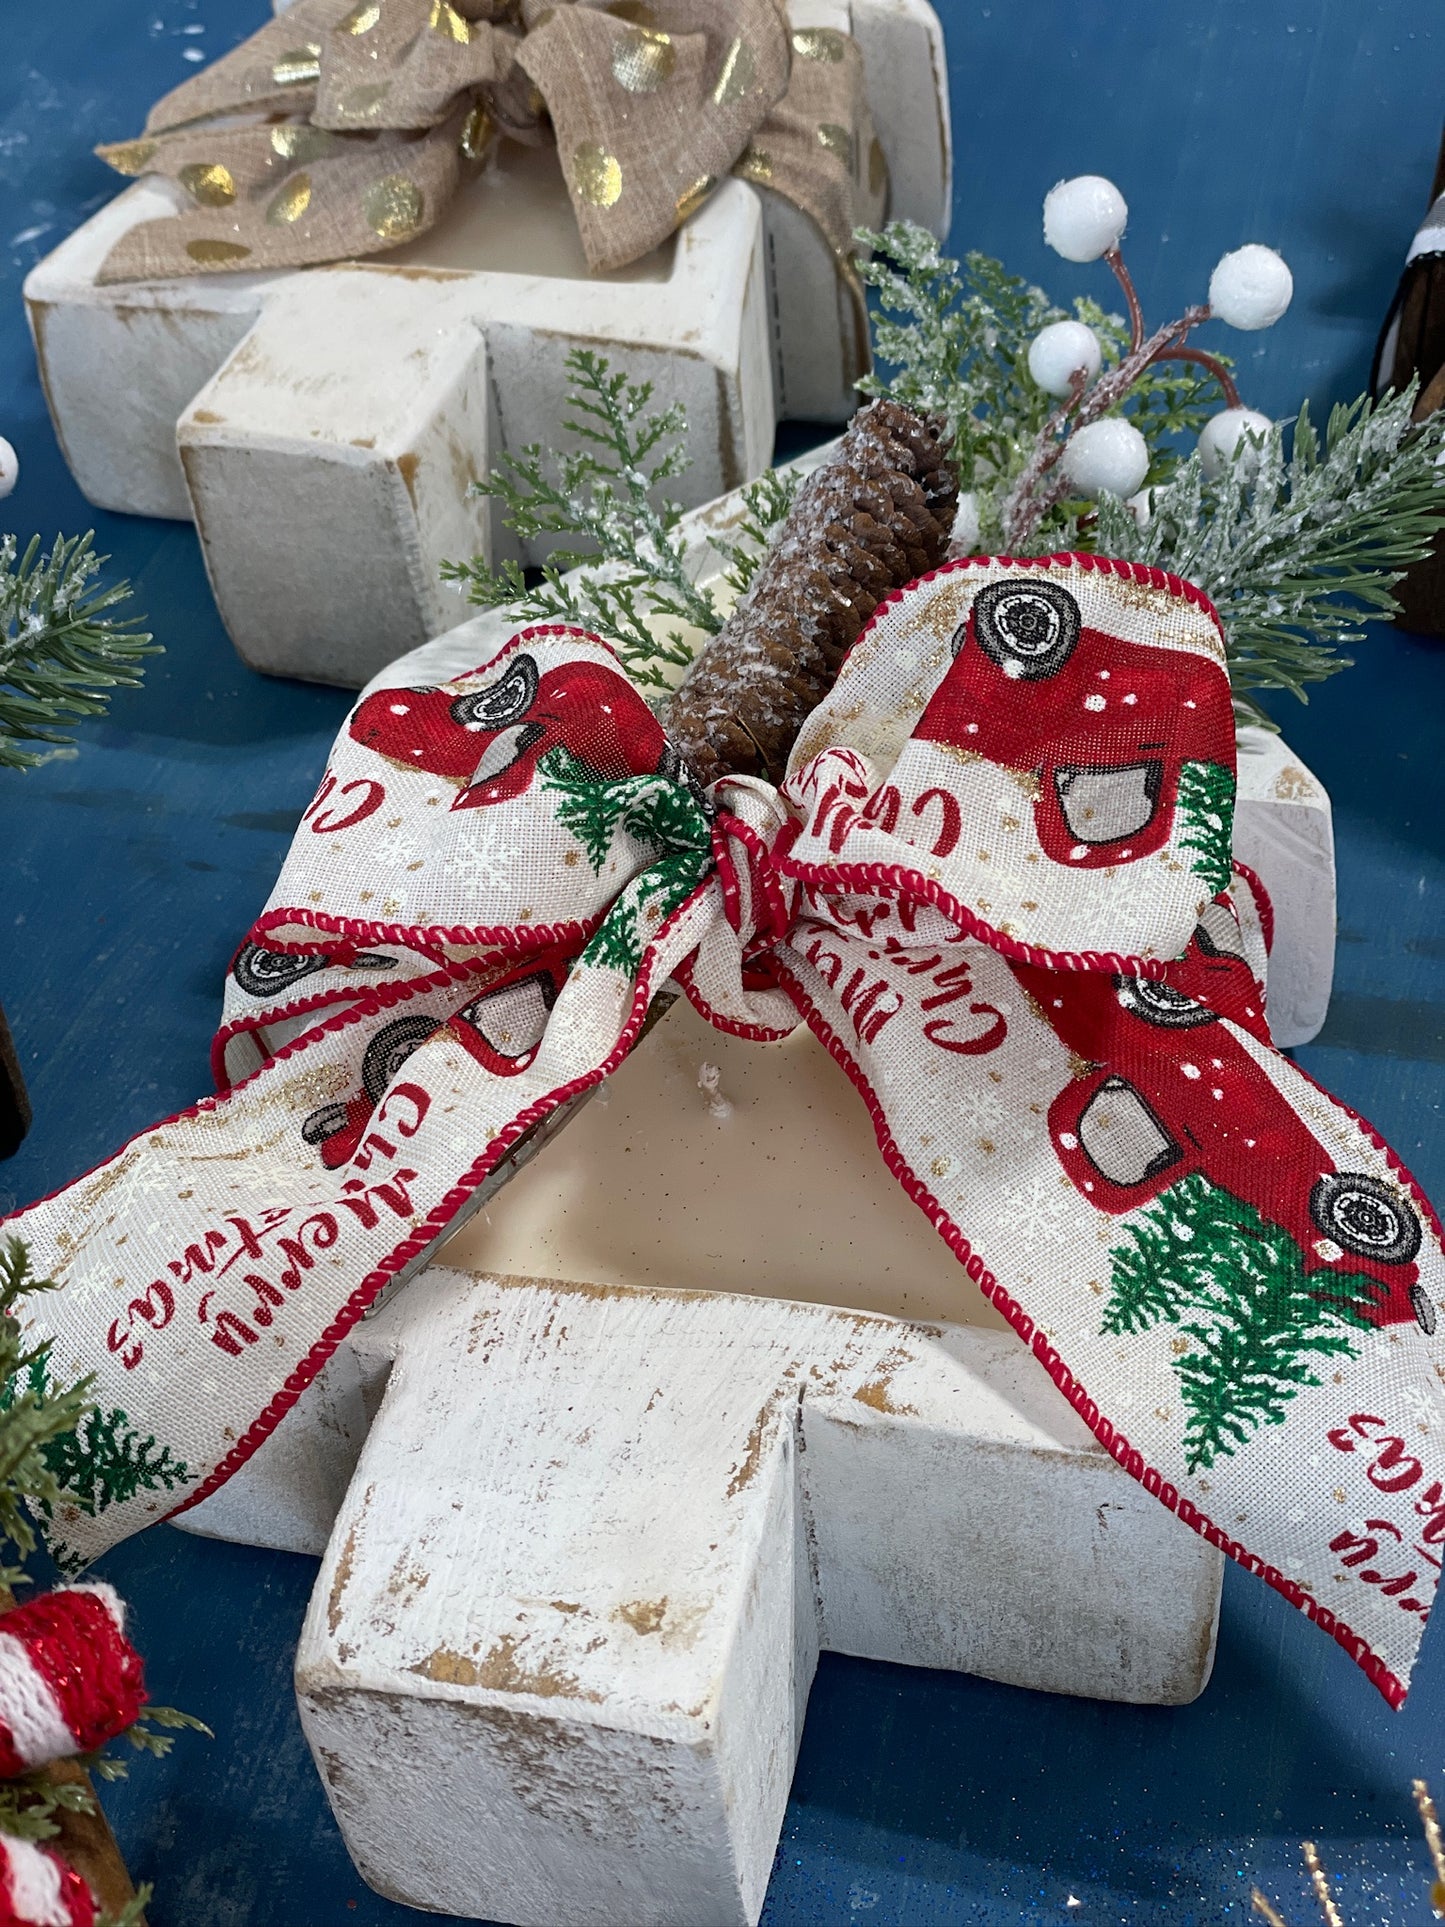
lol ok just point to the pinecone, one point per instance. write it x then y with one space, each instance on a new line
874 517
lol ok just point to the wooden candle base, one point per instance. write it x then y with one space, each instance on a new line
636 1456
86 1843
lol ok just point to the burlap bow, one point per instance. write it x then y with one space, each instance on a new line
340 130
995 881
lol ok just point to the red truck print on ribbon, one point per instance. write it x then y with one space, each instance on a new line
501 1029
1134 734
1167 1090
1237 1227
489 742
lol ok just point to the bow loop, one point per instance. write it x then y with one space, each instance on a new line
678 103
275 71
1044 750
407 65
507 806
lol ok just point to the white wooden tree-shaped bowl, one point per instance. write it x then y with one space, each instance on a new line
345 412
699 1395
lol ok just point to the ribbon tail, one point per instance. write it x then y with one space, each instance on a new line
209 1269
818 149
349 201
1157 1272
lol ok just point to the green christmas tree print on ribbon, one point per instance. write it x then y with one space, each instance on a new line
104 1461
1250 1318
1205 805
652 810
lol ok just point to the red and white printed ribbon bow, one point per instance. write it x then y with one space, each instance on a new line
995 881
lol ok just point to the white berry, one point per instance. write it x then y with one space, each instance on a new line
1250 288
1222 442
1109 457
964 539
1061 351
1084 217
9 468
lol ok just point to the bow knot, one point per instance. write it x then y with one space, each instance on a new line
749 835
339 130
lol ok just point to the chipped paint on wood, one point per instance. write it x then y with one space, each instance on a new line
640 1525
502 1669
341 1580
644 1616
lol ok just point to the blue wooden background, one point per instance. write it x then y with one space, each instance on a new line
127 873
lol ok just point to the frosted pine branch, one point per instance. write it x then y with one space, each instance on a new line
1299 557
62 651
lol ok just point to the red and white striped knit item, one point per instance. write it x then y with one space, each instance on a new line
38 1890
69 1678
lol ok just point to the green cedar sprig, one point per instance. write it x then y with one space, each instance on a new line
61 649
600 503
30 1802
39 1426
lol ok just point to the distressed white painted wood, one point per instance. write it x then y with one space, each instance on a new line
641 1454
630 1457
344 412
558 1655
1284 831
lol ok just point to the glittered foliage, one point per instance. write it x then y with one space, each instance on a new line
952 339
1302 545
63 648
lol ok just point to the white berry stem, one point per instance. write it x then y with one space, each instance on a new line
1205 360
1025 507
1023 510
1201 356
1037 490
